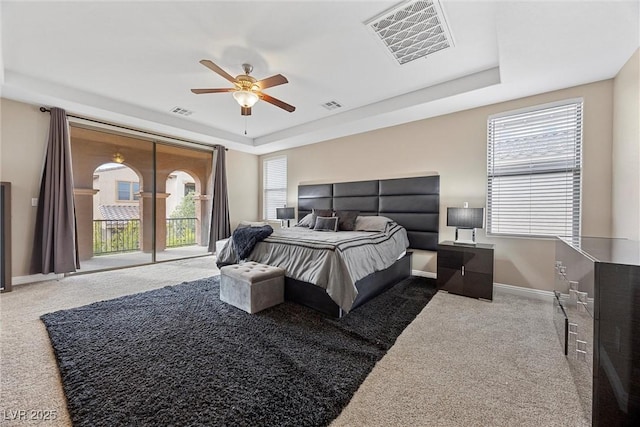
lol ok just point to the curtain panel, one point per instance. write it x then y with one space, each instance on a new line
220 224
55 240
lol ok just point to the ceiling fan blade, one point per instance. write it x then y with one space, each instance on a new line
245 111
276 80
213 67
199 91
277 102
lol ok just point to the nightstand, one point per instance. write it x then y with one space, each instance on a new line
466 269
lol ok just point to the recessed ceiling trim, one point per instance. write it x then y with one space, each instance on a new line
412 29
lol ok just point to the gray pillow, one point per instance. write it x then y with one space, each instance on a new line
347 220
372 223
325 223
319 212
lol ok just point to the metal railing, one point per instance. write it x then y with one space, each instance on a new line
181 232
115 236
118 236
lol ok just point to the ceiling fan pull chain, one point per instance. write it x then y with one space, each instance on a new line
245 125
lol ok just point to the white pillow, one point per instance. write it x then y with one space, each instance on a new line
372 223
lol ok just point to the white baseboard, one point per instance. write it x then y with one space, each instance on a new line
506 289
21 280
524 292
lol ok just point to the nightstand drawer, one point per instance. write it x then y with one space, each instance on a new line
450 280
450 259
479 261
478 285
465 269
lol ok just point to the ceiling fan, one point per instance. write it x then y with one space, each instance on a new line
247 90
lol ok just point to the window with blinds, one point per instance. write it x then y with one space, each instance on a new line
274 184
534 171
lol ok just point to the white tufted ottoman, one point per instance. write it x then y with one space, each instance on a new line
251 286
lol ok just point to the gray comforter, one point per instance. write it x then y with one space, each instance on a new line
331 260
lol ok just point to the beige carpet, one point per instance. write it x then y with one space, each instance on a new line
462 362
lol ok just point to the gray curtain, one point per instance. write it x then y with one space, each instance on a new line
220 225
55 241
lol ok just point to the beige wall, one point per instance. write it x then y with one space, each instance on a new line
626 150
242 183
24 133
455 146
23 137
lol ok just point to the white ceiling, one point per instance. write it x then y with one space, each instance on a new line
132 62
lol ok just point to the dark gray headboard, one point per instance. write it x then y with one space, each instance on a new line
413 203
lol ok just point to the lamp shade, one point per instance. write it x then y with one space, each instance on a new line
465 217
285 213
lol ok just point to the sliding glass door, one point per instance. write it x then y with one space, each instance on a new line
183 202
138 201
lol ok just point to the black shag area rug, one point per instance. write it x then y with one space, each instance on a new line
180 356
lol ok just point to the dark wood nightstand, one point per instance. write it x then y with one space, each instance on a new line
466 269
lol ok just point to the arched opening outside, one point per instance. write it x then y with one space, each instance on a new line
183 218
116 209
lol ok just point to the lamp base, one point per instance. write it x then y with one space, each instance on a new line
471 242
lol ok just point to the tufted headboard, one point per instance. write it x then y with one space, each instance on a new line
413 203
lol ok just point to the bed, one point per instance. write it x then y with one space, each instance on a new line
336 272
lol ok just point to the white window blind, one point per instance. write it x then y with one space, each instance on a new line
274 184
534 171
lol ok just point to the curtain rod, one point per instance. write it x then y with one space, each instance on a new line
215 147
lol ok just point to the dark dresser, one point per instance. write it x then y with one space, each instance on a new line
466 269
597 316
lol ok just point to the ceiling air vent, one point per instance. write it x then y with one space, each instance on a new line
412 30
181 111
332 105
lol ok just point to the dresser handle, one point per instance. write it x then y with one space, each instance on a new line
582 296
581 350
573 331
463 270
581 306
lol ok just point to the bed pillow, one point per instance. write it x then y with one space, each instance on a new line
243 224
319 212
306 221
372 223
326 223
347 220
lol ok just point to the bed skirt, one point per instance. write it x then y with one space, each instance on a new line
315 297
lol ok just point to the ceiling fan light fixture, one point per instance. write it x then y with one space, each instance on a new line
246 98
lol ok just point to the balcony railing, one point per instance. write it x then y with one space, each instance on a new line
181 232
117 236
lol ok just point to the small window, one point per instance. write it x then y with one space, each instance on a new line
189 187
534 159
274 184
128 191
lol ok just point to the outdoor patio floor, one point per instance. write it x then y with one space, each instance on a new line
128 259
